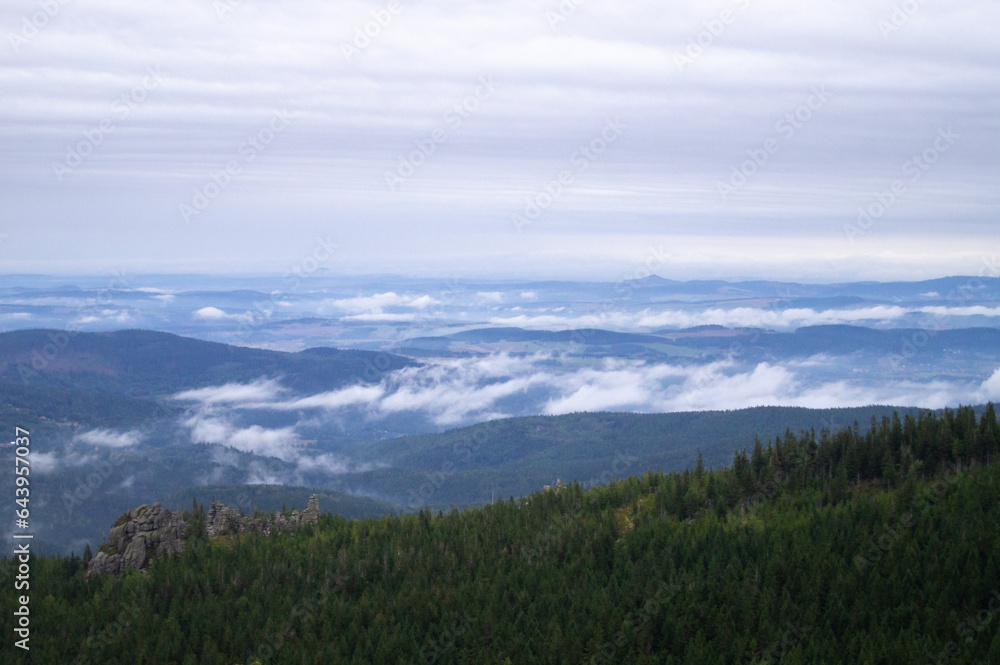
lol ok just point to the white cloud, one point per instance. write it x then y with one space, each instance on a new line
325 463
713 389
461 391
282 443
261 441
716 387
603 391
990 390
378 301
973 310
736 317
333 399
104 316
423 302
208 430
206 427
233 393
372 308
529 295
44 462
109 438
260 474
489 297
216 314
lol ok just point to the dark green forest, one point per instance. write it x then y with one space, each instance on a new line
817 547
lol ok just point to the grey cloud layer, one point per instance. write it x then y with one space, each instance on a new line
162 96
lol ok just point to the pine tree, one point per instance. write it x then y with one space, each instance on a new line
757 458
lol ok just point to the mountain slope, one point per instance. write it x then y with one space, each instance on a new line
517 456
274 498
146 363
878 548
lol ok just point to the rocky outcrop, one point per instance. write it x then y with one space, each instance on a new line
558 487
148 532
224 520
137 537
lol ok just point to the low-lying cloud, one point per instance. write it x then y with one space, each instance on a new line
109 438
458 392
715 387
373 308
207 427
738 317
461 391
216 314
230 393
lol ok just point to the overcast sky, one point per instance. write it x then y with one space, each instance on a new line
729 139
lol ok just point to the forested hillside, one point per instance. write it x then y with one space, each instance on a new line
275 498
837 547
146 363
516 456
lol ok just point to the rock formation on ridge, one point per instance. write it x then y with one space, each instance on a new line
149 532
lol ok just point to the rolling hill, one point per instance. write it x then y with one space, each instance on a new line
144 363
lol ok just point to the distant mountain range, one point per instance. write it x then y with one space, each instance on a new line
144 363
517 456
109 435
754 344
